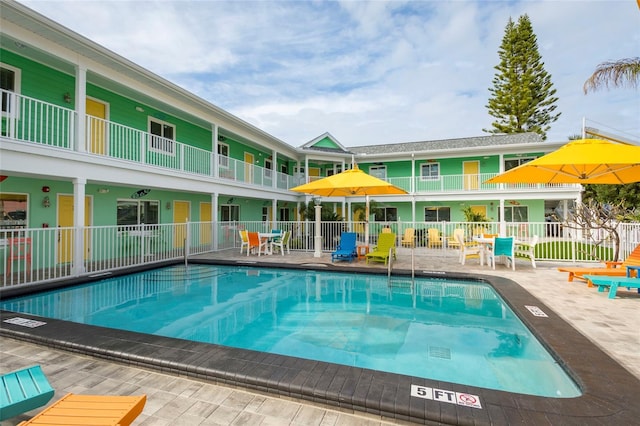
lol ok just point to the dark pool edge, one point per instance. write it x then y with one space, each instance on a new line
608 388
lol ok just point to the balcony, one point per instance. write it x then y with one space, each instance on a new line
30 120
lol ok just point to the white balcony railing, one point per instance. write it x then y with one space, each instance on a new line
30 120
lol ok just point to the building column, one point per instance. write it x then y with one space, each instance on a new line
81 109
79 192
274 169
214 151
214 219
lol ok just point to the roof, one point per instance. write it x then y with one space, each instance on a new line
325 142
471 142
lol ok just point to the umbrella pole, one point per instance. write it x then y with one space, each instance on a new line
318 236
366 220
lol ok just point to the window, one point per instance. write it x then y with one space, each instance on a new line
515 162
229 213
386 214
337 168
162 136
378 171
516 214
137 212
9 82
268 165
430 171
284 214
223 155
284 176
14 211
437 214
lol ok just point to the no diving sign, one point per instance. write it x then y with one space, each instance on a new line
25 322
441 395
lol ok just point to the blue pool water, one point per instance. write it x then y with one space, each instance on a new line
454 331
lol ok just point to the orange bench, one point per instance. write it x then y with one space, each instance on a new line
95 410
618 269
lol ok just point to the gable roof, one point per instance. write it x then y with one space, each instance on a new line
326 142
443 144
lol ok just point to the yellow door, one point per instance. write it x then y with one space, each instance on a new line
470 169
65 220
205 228
479 210
248 167
96 126
180 215
314 174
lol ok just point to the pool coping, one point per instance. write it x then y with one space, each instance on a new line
609 390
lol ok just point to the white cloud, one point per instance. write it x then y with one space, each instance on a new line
368 72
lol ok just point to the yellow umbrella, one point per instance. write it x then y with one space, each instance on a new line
351 183
584 161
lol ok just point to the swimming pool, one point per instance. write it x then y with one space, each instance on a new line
608 390
449 330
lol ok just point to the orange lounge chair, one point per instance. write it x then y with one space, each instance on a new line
610 269
73 409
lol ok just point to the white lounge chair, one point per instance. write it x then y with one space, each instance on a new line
528 250
467 249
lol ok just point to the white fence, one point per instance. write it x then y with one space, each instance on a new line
37 255
32 120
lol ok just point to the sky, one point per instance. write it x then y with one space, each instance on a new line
367 72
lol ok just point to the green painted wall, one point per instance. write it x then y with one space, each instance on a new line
39 81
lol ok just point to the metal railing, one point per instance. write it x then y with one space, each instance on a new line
31 120
44 254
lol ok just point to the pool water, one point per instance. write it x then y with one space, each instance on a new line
453 331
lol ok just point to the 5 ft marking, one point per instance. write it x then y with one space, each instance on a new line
442 395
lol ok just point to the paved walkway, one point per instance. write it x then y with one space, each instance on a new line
614 325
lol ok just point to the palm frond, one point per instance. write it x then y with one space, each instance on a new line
625 72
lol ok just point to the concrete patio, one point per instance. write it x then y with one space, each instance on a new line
611 324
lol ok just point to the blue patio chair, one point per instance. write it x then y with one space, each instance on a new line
505 247
277 231
23 390
346 249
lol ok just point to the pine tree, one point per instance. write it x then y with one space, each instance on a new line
522 96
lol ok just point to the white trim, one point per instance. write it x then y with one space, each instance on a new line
151 119
430 177
17 83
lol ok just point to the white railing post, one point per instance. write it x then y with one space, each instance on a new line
318 236
187 242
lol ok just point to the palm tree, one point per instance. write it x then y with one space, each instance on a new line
625 72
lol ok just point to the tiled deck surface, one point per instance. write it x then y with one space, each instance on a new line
613 325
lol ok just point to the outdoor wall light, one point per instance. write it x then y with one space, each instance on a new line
139 109
46 202
46 189
317 200
67 98
168 205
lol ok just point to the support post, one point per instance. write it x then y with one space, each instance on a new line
318 236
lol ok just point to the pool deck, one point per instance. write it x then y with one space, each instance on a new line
607 331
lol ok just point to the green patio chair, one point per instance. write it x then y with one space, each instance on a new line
386 246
